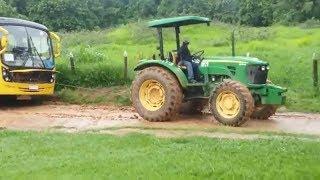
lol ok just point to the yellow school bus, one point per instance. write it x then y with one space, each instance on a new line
27 58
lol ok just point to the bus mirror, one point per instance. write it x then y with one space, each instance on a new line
56 44
3 40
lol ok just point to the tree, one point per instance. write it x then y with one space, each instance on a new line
64 14
224 10
296 10
88 14
141 8
7 11
183 7
109 12
256 13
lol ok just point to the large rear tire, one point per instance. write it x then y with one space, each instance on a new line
232 103
264 112
156 94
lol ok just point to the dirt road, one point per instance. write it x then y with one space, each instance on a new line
74 118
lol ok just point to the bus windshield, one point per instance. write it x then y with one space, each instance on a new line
28 48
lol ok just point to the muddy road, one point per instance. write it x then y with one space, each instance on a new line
75 118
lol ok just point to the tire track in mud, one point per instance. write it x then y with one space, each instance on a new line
75 118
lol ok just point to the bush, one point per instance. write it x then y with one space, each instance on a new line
247 35
91 75
311 23
88 55
85 37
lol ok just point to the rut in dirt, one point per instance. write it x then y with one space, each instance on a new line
75 118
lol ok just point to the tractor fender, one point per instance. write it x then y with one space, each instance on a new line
171 67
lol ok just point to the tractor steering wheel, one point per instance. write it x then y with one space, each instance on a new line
198 56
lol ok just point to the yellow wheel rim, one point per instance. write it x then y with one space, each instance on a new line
228 104
152 95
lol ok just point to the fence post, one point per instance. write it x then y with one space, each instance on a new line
315 72
233 43
125 61
72 63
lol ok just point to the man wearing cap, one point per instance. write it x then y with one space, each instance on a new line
186 60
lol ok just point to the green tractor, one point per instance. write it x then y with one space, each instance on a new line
235 88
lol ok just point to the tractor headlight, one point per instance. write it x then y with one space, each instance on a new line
6 75
263 68
268 67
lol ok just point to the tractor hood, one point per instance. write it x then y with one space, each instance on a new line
236 60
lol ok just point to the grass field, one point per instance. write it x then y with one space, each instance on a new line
288 49
116 95
27 155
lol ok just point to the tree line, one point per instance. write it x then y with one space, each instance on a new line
71 15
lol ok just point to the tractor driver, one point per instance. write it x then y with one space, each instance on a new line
186 60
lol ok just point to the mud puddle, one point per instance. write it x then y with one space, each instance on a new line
75 118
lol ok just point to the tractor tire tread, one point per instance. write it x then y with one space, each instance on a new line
246 96
264 113
174 95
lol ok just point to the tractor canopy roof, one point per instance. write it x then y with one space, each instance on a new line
178 21
19 22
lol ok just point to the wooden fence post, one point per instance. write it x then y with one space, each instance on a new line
72 63
233 43
125 61
315 72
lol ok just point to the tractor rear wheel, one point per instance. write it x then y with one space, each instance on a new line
264 112
232 103
156 94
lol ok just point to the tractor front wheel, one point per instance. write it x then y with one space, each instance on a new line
264 112
156 94
232 103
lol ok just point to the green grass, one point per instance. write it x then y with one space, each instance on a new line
27 155
117 95
289 50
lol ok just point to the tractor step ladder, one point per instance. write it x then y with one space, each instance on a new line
195 84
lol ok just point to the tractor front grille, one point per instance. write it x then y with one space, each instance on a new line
32 77
258 74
